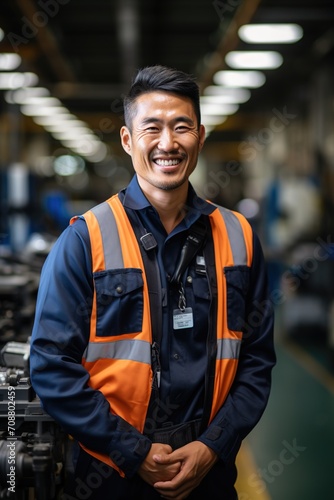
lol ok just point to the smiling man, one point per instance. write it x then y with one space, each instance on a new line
143 347
164 137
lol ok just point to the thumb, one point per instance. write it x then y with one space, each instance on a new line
160 458
164 458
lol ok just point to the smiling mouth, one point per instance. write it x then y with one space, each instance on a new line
167 163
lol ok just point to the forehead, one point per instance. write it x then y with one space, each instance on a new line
165 105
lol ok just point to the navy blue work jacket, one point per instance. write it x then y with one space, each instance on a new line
61 333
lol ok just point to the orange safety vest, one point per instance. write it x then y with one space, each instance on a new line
120 365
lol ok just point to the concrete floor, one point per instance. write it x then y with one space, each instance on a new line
290 454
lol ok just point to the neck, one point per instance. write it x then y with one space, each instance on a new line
169 204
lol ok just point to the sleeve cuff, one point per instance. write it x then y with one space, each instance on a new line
128 450
223 440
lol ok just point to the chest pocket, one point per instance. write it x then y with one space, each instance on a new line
201 287
237 284
120 301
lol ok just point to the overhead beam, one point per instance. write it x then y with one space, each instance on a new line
48 44
128 35
229 40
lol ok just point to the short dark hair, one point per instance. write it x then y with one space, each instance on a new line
161 78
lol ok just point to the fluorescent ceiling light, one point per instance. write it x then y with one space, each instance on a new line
99 155
76 123
9 61
42 102
54 120
48 112
208 130
212 121
270 33
63 124
19 96
17 80
94 151
243 79
31 110
257 59
218 109
218 93
72 134
86 143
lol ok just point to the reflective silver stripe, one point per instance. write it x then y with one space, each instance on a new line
236 237
133 350
228 348
110 237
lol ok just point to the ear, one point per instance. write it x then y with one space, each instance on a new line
201 136
126 139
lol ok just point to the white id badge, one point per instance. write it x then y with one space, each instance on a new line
183 319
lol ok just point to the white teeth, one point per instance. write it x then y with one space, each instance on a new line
167 163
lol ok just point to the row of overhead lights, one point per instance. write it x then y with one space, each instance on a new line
231 87
47 111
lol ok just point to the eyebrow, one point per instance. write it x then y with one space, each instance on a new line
178 119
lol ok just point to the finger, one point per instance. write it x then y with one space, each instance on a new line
176 494
172 485
162 459
171 458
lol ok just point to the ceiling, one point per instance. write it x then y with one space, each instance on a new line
86 51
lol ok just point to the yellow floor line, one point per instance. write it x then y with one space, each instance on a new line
249 484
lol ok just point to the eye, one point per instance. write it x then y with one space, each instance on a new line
182 128
152 129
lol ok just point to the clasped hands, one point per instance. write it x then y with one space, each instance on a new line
174 474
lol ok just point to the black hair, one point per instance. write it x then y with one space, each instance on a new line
161 78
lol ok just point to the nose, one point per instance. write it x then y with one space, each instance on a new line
167 141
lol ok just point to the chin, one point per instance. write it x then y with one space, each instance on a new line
169 182
171 185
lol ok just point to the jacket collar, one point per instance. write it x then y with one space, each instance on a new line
133 197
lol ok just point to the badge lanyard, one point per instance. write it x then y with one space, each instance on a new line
147 248
183 316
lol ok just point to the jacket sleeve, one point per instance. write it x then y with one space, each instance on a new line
59 338
249 394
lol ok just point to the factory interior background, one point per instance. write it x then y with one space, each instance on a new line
266 75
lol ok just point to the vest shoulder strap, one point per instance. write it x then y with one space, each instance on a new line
240 236
112 250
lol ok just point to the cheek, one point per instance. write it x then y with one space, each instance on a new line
144 147
193 148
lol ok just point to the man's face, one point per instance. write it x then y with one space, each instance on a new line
165 139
